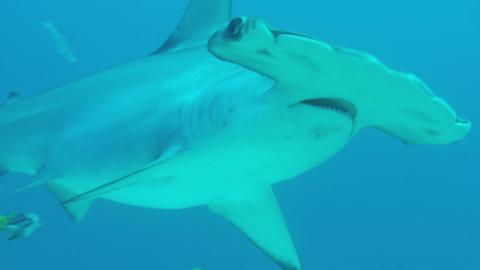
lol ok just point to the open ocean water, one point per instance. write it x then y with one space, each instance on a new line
376 205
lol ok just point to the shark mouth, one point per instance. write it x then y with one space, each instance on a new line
332 104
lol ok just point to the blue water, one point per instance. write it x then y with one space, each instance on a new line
377 205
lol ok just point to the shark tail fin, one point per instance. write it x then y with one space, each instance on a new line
77 210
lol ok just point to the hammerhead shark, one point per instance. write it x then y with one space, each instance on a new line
223 110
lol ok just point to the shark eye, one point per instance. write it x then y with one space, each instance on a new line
234 28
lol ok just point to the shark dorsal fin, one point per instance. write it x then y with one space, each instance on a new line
201 19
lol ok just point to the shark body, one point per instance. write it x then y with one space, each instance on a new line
220 113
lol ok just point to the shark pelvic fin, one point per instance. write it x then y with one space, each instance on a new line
76 210
258 216
200 20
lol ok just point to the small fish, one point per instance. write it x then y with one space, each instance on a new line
62 42
19 226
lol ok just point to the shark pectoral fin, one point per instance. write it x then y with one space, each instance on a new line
77 209
258 216
200 20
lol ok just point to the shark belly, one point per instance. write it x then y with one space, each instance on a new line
254 148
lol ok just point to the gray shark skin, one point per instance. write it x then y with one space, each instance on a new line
221 112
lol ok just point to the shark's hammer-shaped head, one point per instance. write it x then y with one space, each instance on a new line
310 72
252 43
